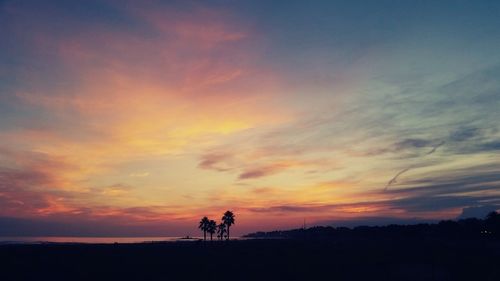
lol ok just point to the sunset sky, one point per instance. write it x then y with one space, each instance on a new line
140 117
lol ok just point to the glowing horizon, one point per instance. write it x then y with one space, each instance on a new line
143 118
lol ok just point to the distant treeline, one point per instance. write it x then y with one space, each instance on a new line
464 228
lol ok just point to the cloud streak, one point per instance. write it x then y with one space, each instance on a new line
394 179
414 143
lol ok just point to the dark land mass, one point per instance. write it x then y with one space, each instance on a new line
279 259
445 251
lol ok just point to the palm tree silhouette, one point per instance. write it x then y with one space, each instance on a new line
204 227
228 220
221 230
211 228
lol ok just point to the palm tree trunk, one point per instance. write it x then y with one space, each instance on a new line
211 236
204 236
228 232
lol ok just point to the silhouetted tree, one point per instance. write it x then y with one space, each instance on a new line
493 223
492 216
211 228
221 230
449 228
204 227
228 220
469 228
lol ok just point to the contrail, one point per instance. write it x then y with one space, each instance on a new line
394 179
435 148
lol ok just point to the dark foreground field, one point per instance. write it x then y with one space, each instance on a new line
360 259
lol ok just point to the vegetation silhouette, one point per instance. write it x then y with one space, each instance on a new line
204 227
492 223
211 228
463 228
221 230
228 220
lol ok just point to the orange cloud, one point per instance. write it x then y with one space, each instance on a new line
270 169
187 84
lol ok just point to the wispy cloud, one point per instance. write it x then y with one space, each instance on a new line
264 170
214 162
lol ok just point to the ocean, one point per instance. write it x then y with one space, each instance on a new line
90 240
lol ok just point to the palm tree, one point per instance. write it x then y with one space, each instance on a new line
204 227
211 228
221 230
228 220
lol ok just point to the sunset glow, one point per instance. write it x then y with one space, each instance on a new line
139 118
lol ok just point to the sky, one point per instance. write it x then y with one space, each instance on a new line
140 117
